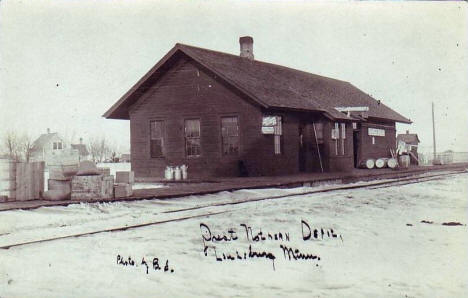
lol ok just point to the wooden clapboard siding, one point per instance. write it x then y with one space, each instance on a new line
188 91
339 162
191 82
382 145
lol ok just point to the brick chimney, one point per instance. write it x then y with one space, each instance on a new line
246 47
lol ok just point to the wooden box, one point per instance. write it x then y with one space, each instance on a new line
62 185
62 172
92 187
107 187
125 177
122 190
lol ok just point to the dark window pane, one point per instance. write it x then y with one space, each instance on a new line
193 146
156 148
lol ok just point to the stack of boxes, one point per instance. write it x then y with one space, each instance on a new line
59 183
92 183
87 182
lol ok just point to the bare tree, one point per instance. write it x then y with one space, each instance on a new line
113 151
18 146
99 149
11 142
26 146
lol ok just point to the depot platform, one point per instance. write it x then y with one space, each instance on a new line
172 190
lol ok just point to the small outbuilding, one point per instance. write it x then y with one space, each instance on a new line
82 150
228 115
412 141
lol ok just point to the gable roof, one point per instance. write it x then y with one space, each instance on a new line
82 150
43 140
409 138
269 85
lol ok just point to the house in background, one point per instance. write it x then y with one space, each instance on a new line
228 115
46 146
412 141
52 149
83 152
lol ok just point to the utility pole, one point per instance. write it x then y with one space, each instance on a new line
433 134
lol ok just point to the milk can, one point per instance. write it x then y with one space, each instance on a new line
184 169
177 173
169 173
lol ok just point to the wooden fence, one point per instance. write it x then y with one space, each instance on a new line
29 180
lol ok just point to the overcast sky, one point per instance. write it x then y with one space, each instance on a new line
64 63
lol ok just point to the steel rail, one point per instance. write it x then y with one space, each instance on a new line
377 184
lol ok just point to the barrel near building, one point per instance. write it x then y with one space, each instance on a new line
7 179
404 161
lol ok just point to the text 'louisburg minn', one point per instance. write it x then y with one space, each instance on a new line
246 234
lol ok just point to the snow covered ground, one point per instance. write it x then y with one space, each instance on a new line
390 242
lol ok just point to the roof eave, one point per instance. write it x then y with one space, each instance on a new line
402 120
114 113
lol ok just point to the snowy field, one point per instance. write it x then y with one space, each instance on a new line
383 242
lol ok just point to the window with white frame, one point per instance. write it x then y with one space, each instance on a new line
278 135
230 135
272 125
57 146
318 132
339 135
157 138
343 137
192 137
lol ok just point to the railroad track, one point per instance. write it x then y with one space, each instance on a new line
371 185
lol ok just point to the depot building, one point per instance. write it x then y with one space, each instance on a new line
231 115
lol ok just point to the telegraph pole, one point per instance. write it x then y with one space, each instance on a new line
433 134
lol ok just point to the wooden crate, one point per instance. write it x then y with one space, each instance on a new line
107 187
122 190
86 187
29 180
62 172
125 177
62 185
92 187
